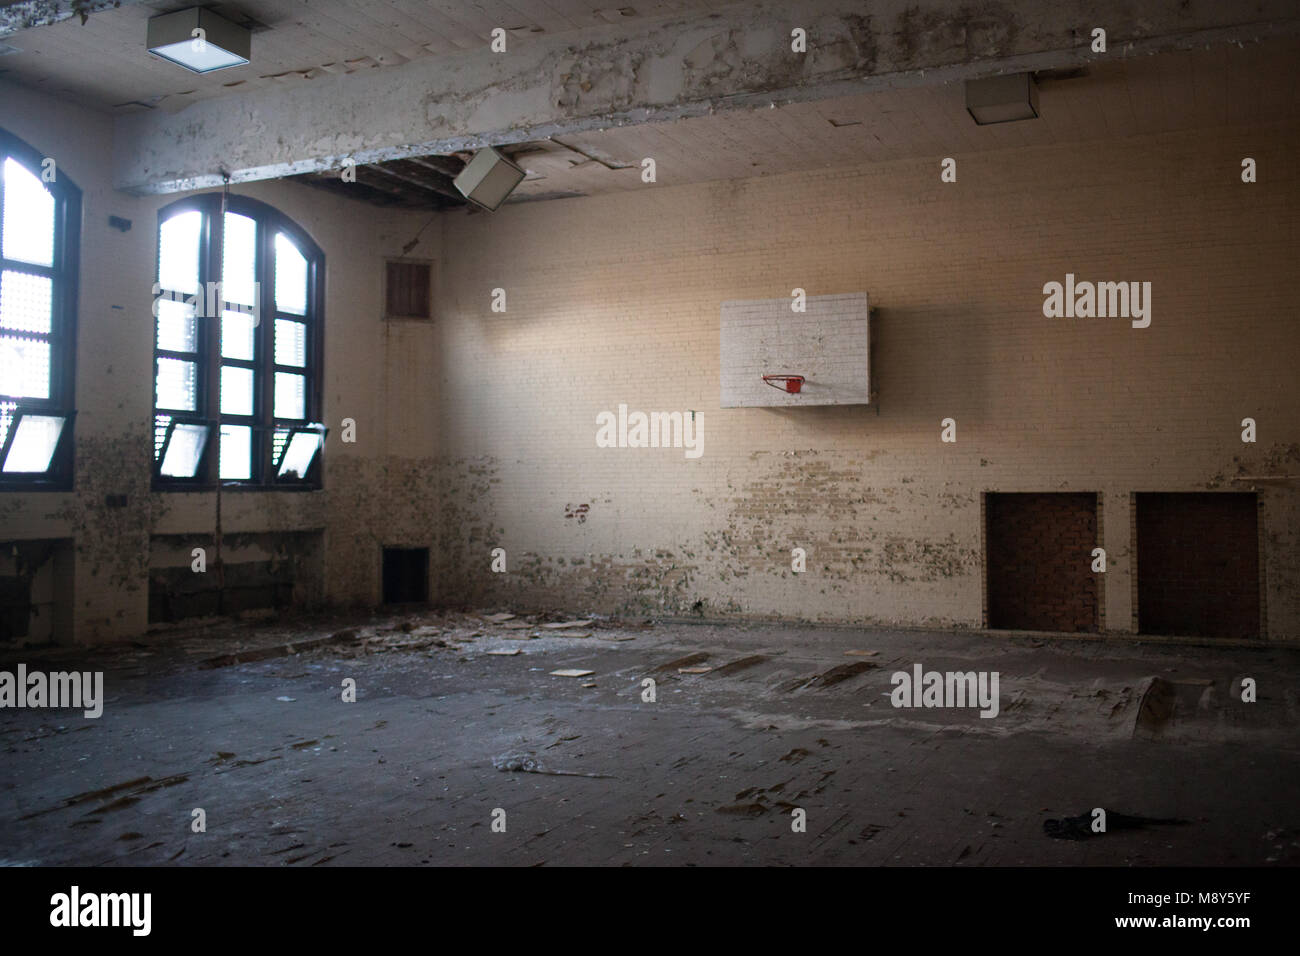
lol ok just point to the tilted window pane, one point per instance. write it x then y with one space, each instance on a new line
236 390
290 277
239 259
28 217
184 451
177 327
298 458
178 253
290 343
26 301
299 455
34 443
24 367
236 458
237 335
290 395
176 384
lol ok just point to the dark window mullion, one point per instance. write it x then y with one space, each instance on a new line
31 268
210 244
265 276
315 335
67 239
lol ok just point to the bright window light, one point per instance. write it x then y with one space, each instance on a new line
24 367
184 450
239 260
235 462
237 335
34 443
178 253
290 276
300 454
28 216
236 390
176 385
290 395
177 326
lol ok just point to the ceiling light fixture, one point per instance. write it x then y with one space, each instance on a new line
1002 99
488 179
199 40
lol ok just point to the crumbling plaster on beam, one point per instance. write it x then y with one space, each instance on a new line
27 14
650 72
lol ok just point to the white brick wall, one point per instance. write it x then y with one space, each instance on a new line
617 299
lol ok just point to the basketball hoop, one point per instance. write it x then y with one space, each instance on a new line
788 383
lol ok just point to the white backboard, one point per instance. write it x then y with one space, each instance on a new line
827 344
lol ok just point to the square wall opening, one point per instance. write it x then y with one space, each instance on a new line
1198 564
406 575
1038 550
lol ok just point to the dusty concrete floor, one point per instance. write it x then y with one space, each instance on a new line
707 774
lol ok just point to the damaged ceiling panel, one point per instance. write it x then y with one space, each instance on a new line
553 170
417 183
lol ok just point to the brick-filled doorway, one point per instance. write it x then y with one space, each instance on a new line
1038 549
1198 564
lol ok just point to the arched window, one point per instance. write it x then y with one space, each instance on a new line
237 352
40 220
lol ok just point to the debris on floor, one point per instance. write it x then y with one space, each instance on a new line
528 763
1080 827
571 672
1156 706
690 660
740 664
841 672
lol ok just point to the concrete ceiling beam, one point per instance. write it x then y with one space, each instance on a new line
737 57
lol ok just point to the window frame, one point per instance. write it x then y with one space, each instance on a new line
209 360
64 273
